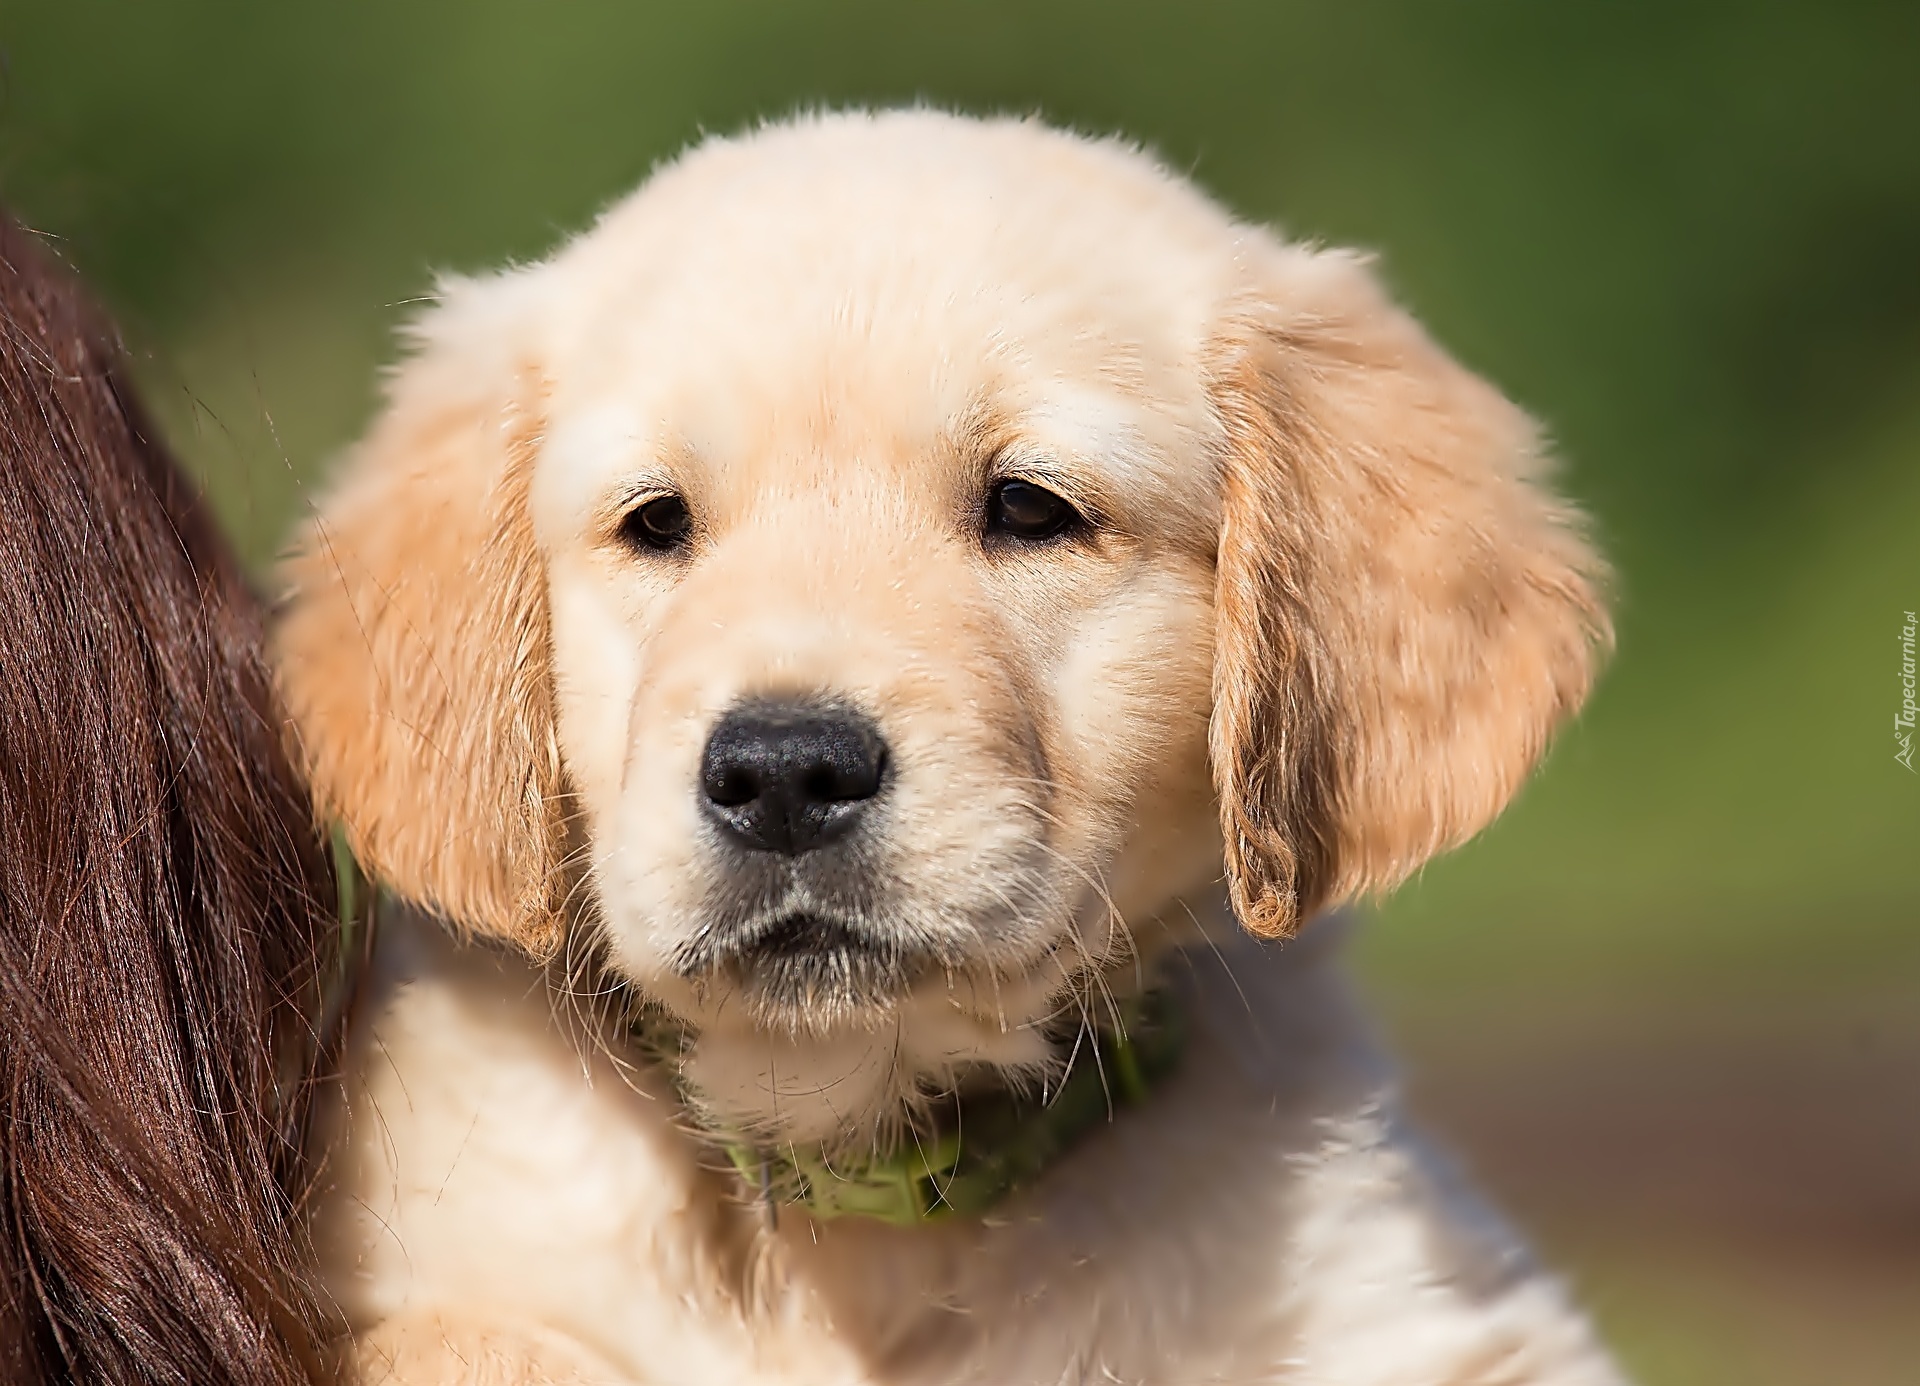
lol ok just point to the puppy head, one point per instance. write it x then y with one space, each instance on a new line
905 555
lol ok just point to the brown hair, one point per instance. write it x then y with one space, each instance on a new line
167 920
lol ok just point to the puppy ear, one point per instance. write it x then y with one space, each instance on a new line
413 645
1404 611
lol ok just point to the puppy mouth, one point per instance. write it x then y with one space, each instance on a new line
804 965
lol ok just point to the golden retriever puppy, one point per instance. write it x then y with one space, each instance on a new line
903 607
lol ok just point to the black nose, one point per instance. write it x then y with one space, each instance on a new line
790 777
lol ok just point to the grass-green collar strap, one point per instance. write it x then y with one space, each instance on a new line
990 1144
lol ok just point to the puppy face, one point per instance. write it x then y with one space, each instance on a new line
882 620
887 562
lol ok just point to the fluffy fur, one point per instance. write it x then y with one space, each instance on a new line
167 922
1318 620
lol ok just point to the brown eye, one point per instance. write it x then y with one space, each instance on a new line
1023 510
662 524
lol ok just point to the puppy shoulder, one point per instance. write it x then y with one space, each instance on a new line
492 1157
1391 1270
439 1349
1401 1275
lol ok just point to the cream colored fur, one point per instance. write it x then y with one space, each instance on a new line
1321 619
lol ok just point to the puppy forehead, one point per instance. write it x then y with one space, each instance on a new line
931 209
817 300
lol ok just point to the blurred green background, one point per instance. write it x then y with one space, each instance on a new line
1669 1008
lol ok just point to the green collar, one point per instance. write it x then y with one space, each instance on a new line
992 1145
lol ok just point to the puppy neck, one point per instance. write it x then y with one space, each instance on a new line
858 1091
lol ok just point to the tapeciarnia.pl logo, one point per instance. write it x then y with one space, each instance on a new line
1903 719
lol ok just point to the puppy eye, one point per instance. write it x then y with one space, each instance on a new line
662 524
1026 511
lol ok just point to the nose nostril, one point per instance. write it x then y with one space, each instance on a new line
876 772
847 778
731 785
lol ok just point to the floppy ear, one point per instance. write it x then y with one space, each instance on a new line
1404 611
413 645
